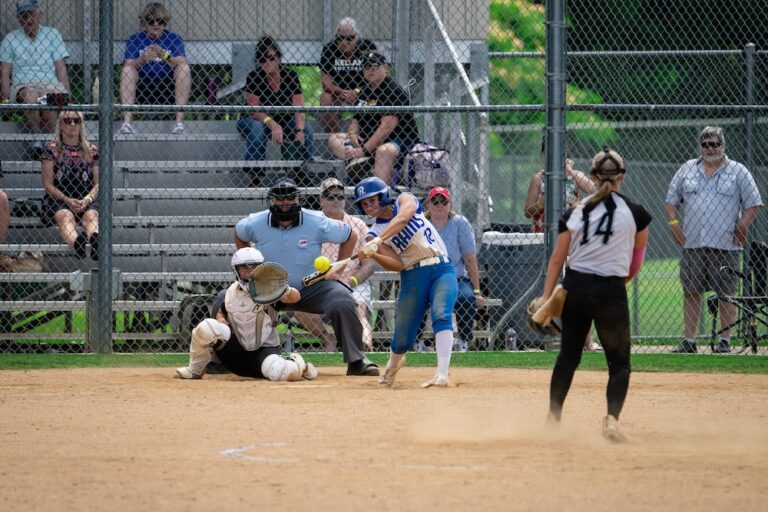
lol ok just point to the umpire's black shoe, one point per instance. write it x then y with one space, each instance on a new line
688 347
724 347
364 367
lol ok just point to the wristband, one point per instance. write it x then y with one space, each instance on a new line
673 222
266 120
166 56
354 280
357 90
477 291
299 130
89 197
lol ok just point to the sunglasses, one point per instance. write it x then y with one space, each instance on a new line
156 21
334 197
72 120
284 197
371 66
711 145
269 58
439 202
350 37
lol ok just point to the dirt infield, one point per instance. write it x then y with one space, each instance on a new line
136 439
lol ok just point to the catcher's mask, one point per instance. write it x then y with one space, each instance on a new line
370 187
284 189
550 330
245 256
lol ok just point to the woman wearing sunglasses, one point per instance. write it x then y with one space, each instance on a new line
459 238
270 84
70 167
156 71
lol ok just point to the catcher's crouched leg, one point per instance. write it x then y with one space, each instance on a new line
208 333
278 368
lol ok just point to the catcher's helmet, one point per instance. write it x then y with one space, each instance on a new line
245 256
370 187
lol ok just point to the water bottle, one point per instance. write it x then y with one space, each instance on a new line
510 339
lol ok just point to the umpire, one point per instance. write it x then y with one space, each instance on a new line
293 236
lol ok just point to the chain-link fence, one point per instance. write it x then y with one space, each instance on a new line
216 102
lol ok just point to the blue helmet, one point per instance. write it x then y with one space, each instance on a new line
370 187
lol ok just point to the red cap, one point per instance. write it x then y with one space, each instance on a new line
439 191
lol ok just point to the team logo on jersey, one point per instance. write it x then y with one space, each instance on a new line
403 238
303 243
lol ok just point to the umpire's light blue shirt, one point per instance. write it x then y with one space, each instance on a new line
712 206
296 246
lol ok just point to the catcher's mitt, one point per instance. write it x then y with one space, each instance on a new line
269 281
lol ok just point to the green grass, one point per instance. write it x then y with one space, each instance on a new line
702 363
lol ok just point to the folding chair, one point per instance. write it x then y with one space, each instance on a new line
752 309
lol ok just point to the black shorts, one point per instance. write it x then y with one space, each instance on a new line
156 92
51 206
245 363
700 270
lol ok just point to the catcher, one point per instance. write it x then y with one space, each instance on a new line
242 331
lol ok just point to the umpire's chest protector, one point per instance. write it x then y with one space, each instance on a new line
252 323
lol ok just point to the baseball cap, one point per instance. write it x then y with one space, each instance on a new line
439 191
373 59
23 6
330 183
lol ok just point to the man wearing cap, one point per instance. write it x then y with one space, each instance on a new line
355 275
718 199
341 71
293 236
381 136
32 65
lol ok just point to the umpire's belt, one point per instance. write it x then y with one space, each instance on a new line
428 262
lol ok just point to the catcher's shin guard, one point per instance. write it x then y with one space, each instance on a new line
205 336
277 368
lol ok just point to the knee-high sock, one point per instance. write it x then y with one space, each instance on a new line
443 347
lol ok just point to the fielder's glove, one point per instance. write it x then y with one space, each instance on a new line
542 319
269 281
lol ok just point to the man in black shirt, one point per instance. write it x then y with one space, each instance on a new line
341 71
384 136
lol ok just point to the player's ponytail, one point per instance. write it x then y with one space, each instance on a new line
607 166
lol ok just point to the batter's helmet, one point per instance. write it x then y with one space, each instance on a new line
370 187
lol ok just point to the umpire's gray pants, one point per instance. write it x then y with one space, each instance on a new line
332 298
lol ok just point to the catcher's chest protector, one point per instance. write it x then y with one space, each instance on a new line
252 323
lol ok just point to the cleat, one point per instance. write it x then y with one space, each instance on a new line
310 373
388 379
438 381
612 430
688 347
187 374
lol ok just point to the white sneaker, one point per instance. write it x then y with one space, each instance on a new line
179 129
128 129
438 381
612 430
186 373
310 373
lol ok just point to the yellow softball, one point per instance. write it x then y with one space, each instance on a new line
322 263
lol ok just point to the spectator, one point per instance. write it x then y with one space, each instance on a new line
156 70
242 333
32 65
386 136
459 239
5 215
603 239
70 166
402 239
341 71
355 274
718 200
270 84
576 185
293 236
